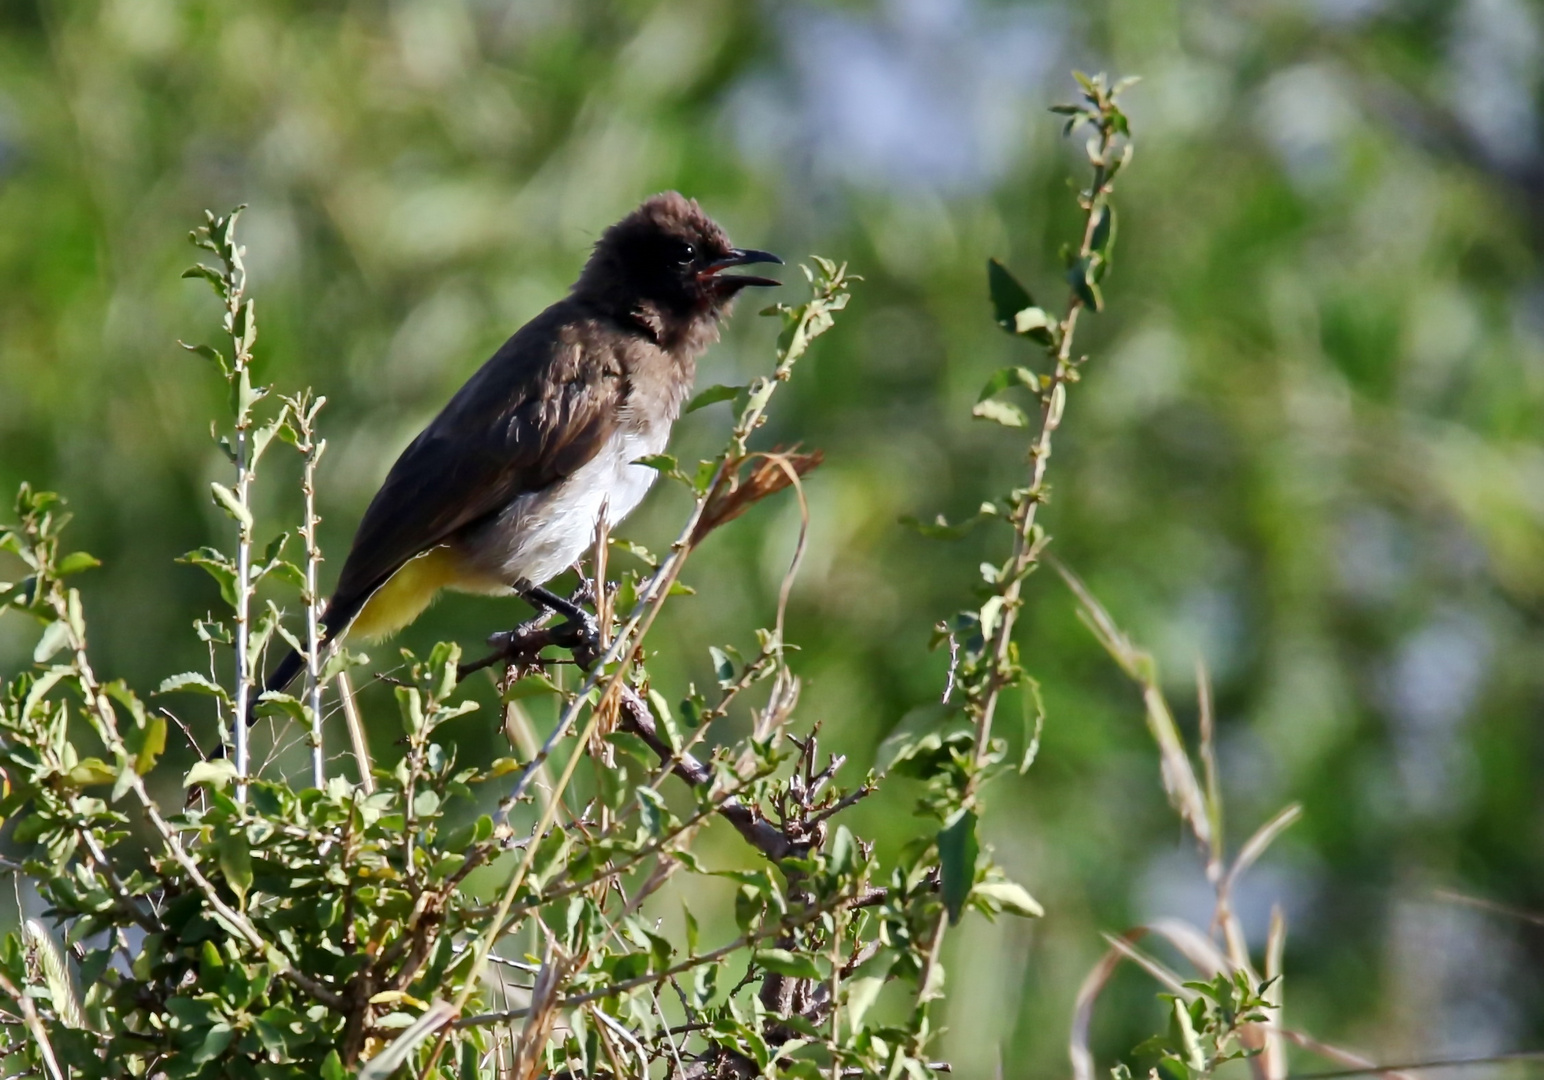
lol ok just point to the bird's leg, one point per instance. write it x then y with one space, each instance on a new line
585 592
578 632
521 646
546 599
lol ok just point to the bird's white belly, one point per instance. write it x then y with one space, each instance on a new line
541 534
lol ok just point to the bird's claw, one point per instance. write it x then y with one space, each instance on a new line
581 637
523 644
579 632
584 593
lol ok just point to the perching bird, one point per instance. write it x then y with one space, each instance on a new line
505 488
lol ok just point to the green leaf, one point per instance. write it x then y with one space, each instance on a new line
459 839
40 689
957 852
723 667
122 785
287 572
216 772
990 613
748 907
192 682
922 756
940 529
56 635
208 352
235 861
530 686
119 692
621 968
75 562
90 772
216 1039
633 747
332 1066
410 702
1000 412
843 849
712 396
1010 897
1035 324
637 551
1008 296
212 632
211 275
784 962
1080 277
862 993
31 828
704 476
651 807
1034 723
263 434
273 703
153 747
218 567
244 395
705 984
342 660
227 501
550 852
1104 231
665 465
1003 378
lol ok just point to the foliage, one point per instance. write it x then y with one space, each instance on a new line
285 931
1307 450
1203 1029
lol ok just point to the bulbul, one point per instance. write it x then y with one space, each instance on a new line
505 488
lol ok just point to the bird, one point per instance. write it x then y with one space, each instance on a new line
505 488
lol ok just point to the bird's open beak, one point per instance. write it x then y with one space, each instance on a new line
713 273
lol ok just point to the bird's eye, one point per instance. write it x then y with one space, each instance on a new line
685 253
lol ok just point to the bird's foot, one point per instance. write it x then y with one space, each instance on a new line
578 633
584 592
580 637
520 647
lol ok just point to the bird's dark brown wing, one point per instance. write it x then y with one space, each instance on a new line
542 407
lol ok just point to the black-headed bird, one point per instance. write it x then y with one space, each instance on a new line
505 488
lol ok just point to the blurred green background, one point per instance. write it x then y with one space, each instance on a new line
1306 448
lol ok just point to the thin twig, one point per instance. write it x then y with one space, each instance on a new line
356 732
784 925
1053 401
1521 914
304 410
1411 1066
34 1024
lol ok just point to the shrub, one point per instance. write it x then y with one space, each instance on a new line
317 922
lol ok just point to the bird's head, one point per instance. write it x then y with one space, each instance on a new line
670 259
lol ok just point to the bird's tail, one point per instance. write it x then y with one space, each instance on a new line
340 613
382 609
279 678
